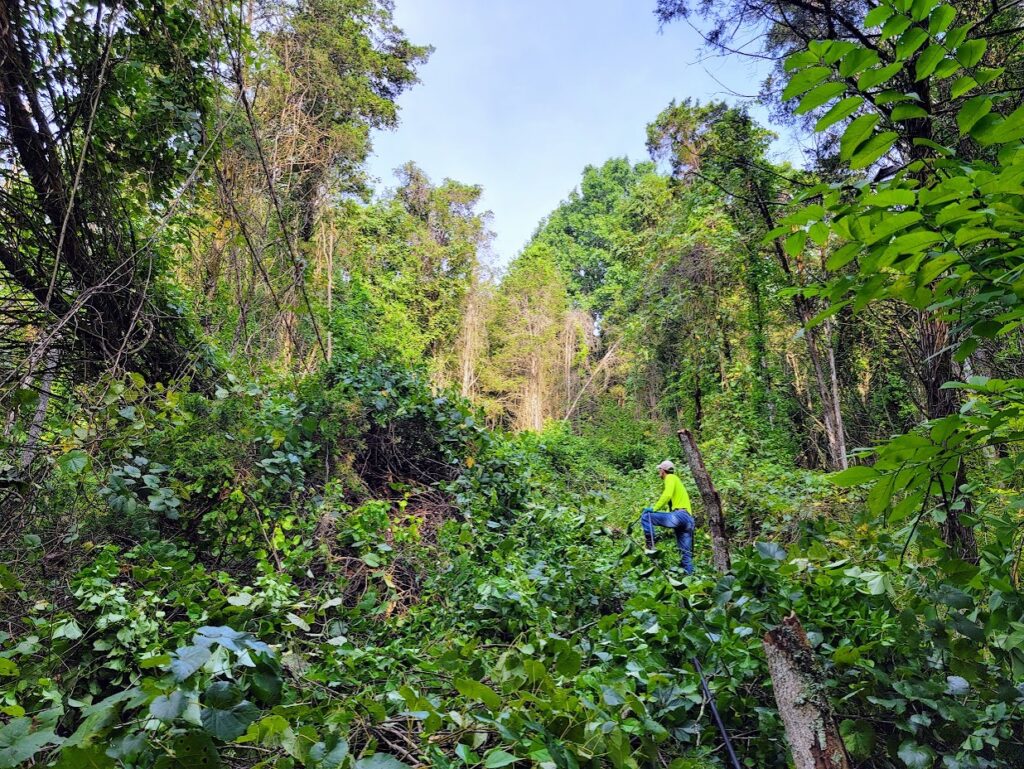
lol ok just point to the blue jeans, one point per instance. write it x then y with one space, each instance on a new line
678 520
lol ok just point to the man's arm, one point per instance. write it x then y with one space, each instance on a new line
666 496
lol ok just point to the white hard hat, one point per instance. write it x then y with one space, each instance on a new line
667 466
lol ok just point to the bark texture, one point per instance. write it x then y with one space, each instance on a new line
712 502
811 730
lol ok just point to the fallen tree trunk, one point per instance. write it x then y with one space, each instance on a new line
811 730
712 502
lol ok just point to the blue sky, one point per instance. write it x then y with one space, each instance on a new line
520 95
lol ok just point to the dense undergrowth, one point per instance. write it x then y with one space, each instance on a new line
352 571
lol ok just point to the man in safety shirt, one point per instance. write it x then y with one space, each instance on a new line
672 510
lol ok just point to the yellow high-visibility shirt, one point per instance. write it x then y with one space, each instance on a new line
675 494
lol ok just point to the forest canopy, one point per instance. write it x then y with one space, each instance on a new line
295 474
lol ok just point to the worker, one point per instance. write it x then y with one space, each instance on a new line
672 510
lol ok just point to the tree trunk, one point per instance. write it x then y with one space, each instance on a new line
937 369
811 731
712 502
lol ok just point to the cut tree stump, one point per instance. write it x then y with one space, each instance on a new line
712 502
806 712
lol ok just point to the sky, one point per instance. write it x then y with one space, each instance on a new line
520 95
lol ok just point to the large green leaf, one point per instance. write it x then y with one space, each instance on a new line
74 462
916 756
855 476
972 111
499 758
192 750
818 96
188 660
859 738
875 77
928 61
18 743
478 691
92 757
380 761
167 707
227 719
839 111
873 149
805 80
856 134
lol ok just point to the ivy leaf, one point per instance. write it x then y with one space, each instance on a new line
916 756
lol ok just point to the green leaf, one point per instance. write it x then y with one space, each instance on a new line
928 61
962 86
770 551
93 757
298 621
972 111
877 15
478 691
18 743
167 707
911 40
896 25
857 60
970 53
74 462
875 77
839 111
804 80
229 723
907 112
941 18
329 754
498 758
992 130
380 761
818 96
191 750
873 149
855 134
188 660
859 738
916 756
854 476
846 655
7 667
